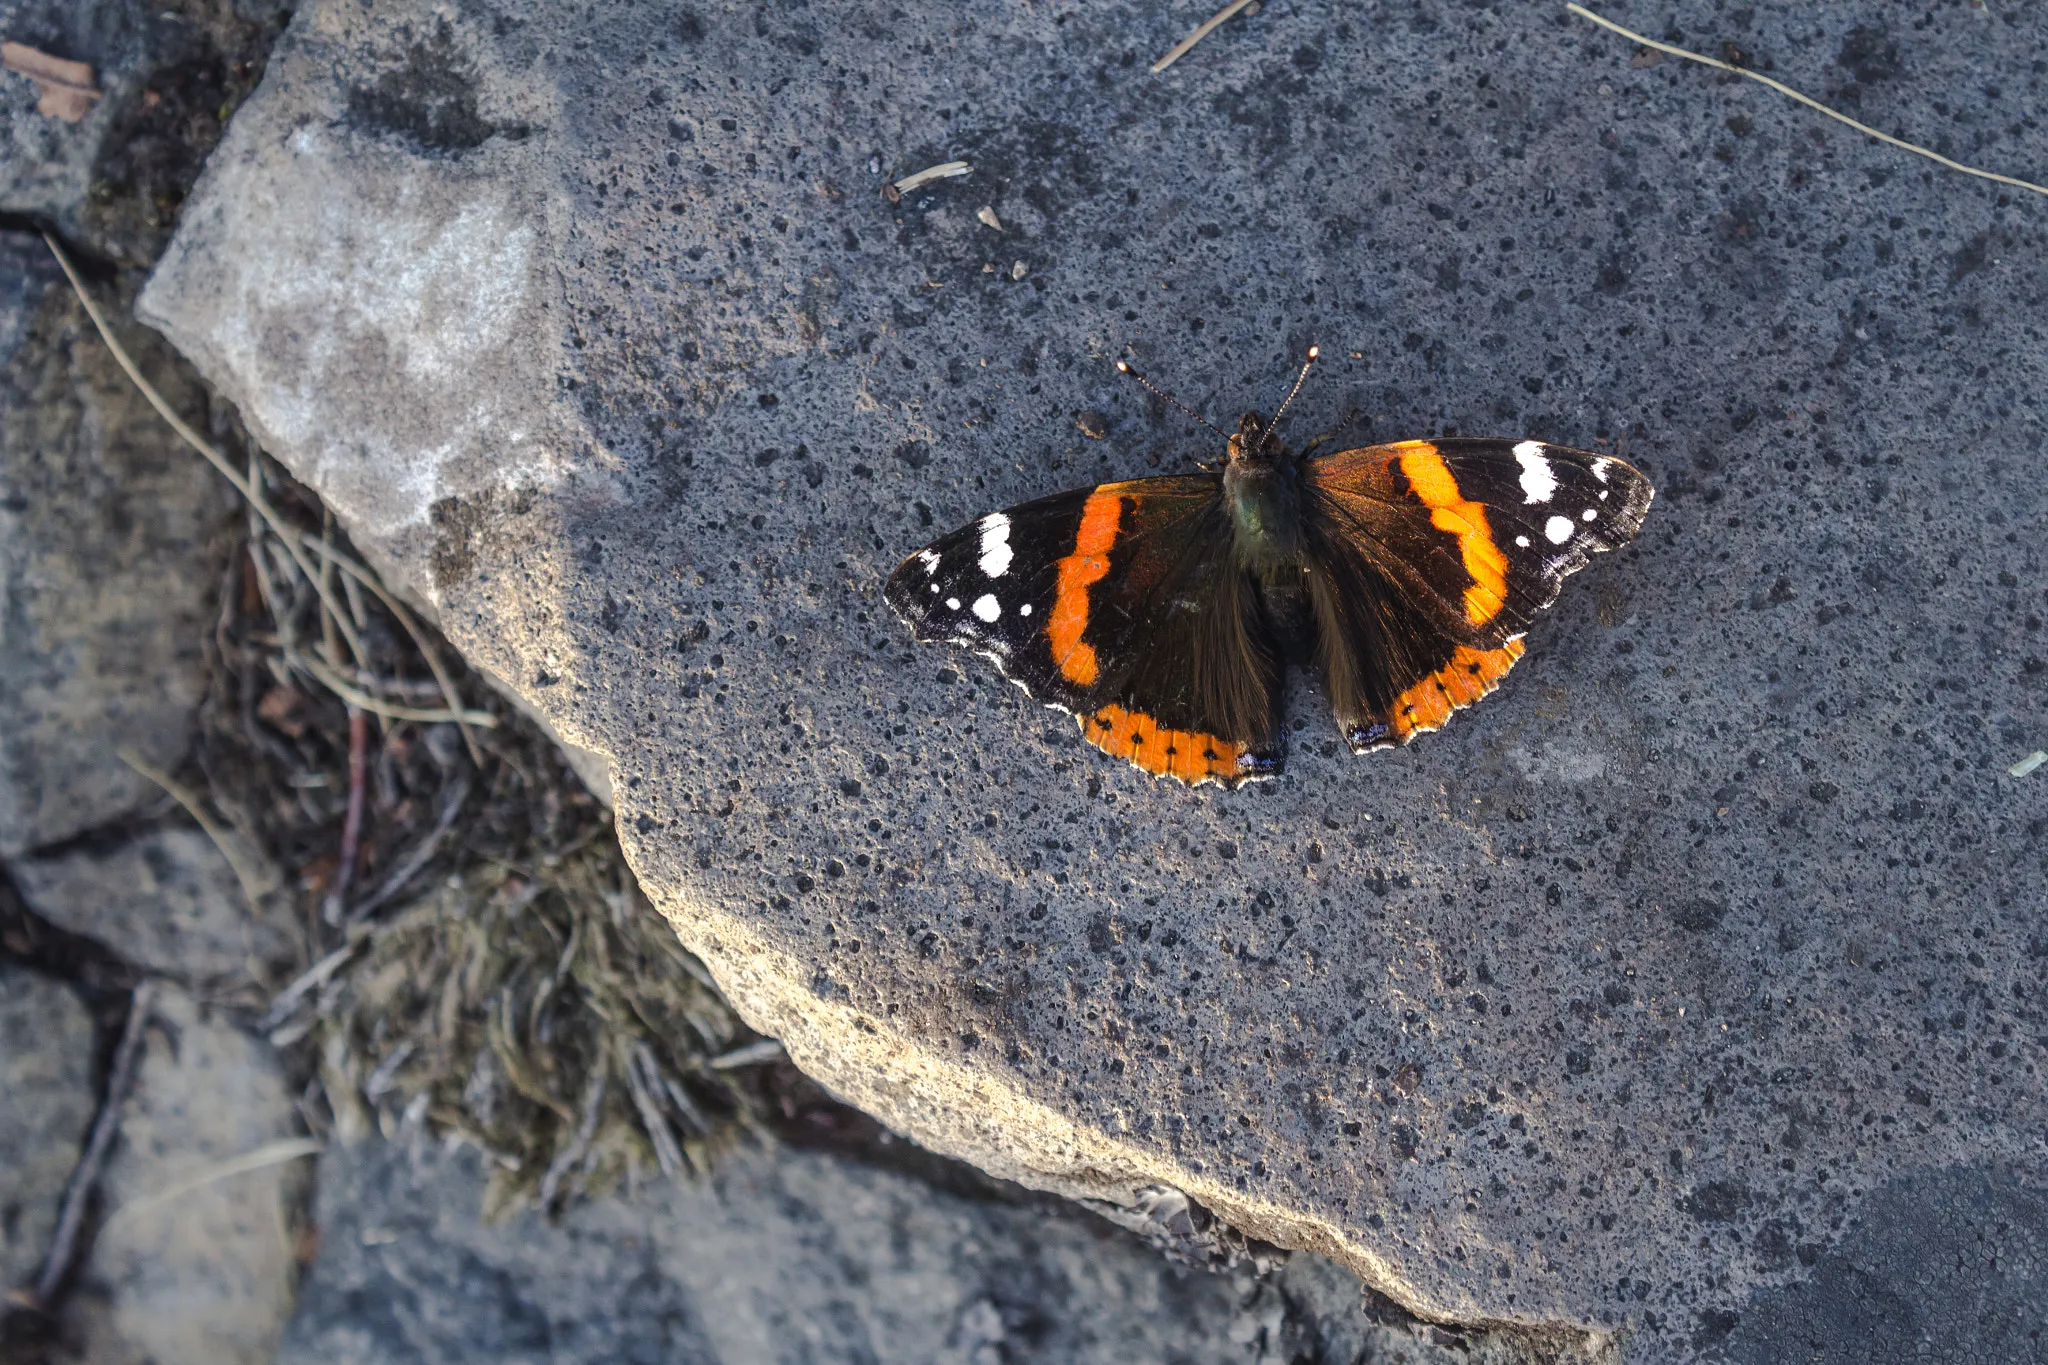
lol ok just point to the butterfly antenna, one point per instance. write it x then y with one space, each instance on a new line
1124 367
1299 380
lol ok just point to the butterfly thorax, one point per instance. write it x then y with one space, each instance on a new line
1262 488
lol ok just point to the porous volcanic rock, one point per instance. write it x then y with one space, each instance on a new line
168 76
1603 1008
195 1262
46 1055
787 1255
107 562
166 900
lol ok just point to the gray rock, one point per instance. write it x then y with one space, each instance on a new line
111 182
1940 1265
1590 1010
165 900
46 1052
106 566
47 167
782 1256
192 1266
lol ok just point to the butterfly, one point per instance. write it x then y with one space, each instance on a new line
1162 611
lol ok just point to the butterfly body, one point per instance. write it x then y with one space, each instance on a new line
1163 611
1262 488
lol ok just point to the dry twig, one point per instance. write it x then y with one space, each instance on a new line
296 544
751 1054
257 881
924 177
256 1159
312 979
1809 102
356 697
286 534
352 822
67 89
579 1146
71 1218
1203 30
451 806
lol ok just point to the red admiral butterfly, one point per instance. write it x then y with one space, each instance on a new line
1162 611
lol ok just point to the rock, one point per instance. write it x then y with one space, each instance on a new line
1939 1264
191 1268
46 1055
1721 915
106 562
784 1255
112 181
166 900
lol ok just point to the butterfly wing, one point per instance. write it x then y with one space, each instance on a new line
1428 559
1121 604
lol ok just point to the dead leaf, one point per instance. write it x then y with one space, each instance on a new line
68 89
284 709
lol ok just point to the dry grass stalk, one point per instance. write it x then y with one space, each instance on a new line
1202 30
502 982
918 180
1808 101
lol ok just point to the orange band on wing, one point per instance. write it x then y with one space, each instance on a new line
1188 755
1074 656
1433 482
1470 675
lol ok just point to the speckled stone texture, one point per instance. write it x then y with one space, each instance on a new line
46 1055
195 1264
108 562
1604 1008
166 900
789 1256
169 73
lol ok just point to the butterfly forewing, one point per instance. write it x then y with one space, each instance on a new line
1429 559
1118 603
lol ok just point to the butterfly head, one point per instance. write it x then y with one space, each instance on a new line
1255 443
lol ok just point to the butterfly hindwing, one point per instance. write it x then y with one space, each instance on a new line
1428 559
1121 604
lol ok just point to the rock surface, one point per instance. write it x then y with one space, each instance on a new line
783 1256
46 1051
1607 1007
106 562
1942 1265
194 1266
166 900
168 74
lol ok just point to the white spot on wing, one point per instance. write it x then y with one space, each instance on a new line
935 587
1539 481
952 604
930 560
1024 610
987 608
1600 470
1590 513
1522 541
1559 529
995 545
